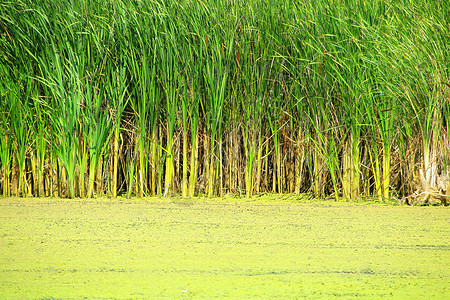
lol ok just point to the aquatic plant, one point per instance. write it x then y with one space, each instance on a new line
187 97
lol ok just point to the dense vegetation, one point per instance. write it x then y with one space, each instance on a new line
334 98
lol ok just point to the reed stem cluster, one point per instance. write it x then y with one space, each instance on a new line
343 99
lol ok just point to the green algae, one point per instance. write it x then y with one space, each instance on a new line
210 248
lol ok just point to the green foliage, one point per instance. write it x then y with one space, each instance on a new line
337 93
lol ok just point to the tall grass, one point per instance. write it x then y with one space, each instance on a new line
188 97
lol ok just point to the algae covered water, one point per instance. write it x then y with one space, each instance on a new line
225 249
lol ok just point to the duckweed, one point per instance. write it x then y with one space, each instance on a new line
150 248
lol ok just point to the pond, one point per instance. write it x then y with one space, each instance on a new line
224 248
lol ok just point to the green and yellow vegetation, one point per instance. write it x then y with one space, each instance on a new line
345 99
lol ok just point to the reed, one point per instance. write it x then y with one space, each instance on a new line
186 97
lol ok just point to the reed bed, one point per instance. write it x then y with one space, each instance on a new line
335 99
